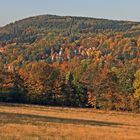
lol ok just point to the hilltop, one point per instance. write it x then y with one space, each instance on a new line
30 29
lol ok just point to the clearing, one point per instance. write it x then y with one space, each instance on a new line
32 122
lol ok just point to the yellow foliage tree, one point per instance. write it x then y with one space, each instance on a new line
137 86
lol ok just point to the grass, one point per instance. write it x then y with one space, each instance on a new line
27 122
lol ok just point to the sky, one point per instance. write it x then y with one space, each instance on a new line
13 10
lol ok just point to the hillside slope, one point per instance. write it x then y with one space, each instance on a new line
71 61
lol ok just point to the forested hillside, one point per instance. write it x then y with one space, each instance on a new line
71 61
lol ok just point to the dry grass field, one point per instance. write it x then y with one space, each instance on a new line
26 122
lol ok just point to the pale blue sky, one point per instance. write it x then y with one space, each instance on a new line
12 10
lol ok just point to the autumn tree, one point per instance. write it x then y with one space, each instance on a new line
11 86
39 79
137 87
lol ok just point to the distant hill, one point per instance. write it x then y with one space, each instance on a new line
29 29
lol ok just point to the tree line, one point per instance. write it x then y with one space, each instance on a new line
82 84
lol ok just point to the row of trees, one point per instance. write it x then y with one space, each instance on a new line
85 85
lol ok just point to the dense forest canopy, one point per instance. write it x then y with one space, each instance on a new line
71 61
